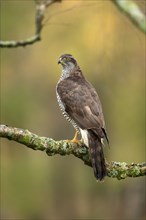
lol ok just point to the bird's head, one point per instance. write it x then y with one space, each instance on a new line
67 61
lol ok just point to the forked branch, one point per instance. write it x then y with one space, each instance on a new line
41 6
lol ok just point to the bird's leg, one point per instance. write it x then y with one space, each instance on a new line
75 139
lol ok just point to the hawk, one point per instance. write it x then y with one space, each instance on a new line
81 106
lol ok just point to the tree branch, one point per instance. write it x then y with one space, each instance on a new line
115 169
128 7
133 12
41 6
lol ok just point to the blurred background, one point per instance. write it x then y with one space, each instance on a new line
111 52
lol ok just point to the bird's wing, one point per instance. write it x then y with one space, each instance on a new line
82 103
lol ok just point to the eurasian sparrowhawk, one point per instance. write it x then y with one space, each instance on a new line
81 106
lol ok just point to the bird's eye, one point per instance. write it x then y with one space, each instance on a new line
65 59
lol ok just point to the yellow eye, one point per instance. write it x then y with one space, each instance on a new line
65 59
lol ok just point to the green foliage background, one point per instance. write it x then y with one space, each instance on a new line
111 53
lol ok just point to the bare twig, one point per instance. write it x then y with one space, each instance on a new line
41 6
12 44
132 11
127 6
119 170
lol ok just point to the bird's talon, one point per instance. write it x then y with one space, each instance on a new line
74 140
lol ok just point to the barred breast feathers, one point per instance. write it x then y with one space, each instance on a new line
65 114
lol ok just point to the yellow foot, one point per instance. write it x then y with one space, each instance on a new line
74 140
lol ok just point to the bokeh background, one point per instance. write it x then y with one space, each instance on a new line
111 53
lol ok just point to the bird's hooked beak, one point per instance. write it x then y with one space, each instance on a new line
60 61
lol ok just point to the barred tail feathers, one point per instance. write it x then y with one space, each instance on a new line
97 156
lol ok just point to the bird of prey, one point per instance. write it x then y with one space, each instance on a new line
81 106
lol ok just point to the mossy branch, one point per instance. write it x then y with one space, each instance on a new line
119 170
133 12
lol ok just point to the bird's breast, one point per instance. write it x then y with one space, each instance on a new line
65 114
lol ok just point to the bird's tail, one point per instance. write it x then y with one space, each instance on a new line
97 156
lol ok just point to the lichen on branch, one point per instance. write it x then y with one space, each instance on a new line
119 170
133 12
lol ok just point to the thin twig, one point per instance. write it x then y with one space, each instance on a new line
41 7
